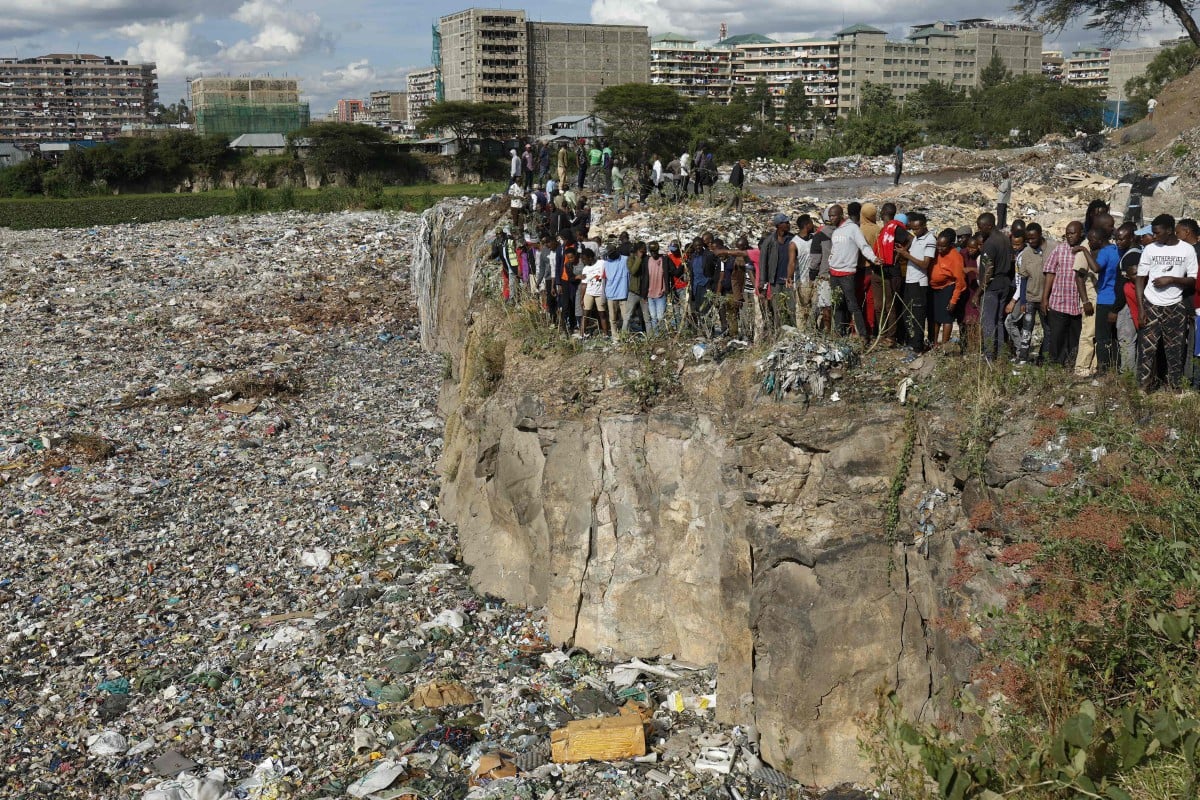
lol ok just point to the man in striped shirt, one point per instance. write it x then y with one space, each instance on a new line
1060 298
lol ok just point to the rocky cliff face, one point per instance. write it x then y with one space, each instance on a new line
720 527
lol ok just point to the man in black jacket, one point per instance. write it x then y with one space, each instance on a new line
737 180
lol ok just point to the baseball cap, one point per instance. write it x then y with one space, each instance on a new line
902 219
779 219
1145 230
963 230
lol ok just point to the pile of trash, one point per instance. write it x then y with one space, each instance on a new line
225 573
805 364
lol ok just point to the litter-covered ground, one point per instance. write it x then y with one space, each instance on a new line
224 572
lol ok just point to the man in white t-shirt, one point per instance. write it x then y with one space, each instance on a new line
920 254
594 305
1166 270
1151 104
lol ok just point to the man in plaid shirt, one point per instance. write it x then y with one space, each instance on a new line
1060 298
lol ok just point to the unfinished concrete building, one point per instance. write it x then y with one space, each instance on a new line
484 57
543 69
570 63
234 106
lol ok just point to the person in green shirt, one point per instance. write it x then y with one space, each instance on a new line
606 163
620 199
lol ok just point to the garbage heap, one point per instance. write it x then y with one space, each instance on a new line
225 574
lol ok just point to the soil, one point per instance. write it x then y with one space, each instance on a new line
1177 112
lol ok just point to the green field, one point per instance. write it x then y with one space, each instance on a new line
83 212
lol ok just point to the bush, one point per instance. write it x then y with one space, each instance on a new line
110 210
1089 684
249 199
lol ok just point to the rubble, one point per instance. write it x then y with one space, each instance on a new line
804 364
226 575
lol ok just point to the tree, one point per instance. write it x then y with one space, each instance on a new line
718 125
761 102
642 120
945 112
994 74
470 122
1036 106
347 150
795 104
1117 19
879 125
172 114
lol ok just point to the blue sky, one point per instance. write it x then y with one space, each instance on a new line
348 48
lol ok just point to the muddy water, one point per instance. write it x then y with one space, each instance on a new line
834 189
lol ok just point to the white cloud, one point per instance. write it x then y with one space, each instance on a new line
355 80
26 17
282 34
170 45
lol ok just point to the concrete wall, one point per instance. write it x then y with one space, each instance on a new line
569 64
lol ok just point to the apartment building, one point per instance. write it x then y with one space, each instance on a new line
696 71
1088 68
1019 46
834 70
1125 65
813 61
388 106
73 96
1101 68
422 87
953 53
235 106
349 110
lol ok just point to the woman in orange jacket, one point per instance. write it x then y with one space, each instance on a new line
948 282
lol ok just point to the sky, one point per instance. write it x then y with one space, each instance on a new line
348 48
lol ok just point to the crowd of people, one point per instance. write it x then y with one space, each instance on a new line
1101 298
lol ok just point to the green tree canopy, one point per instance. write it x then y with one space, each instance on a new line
350 150
469 122
879 125
760 101
642 120
994 74
795 104
1117 19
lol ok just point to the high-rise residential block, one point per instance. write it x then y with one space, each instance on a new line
73 96
697 71
422 90
387 106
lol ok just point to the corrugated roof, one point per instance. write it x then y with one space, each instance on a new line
746 38
672 37
859 28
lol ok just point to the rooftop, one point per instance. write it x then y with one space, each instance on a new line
746 38
858 28
672 37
